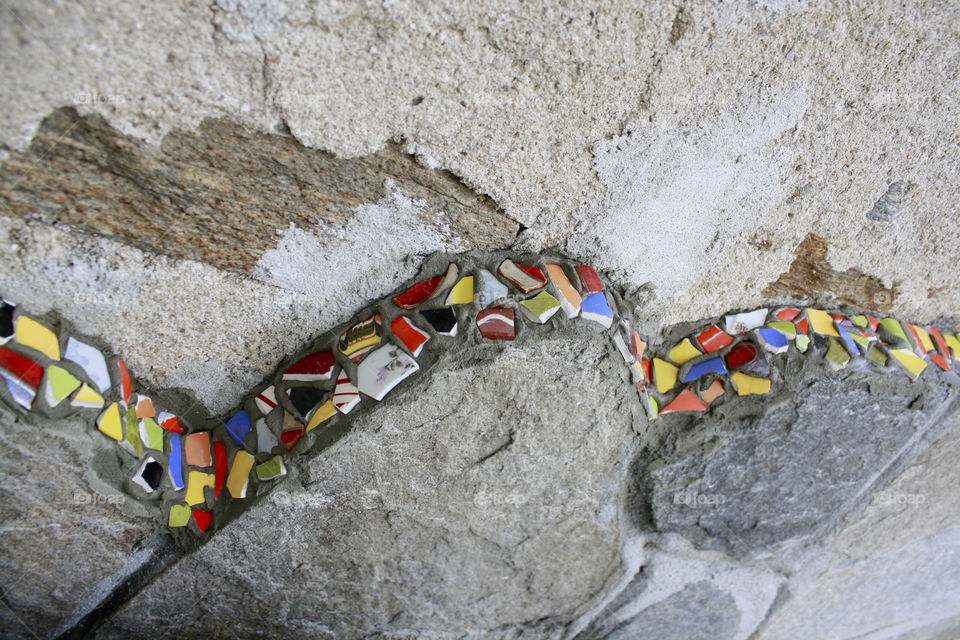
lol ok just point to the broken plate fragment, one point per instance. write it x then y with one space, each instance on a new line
126 383
179 515
197 446
802 341
271 469
461 293
569 298
6 320
151 435
320 415
742 322
713 392
443 321
266 439
748 385
787 314
742 355
239 476
683 352
383 370
292 430
60 384
31 333
541 307
427 289
133 442
356 341
306 399
786 328
219 467
110 423
713 339
877 355
523 277
909 361
87 398
847 340
704 367
686 401
954 343
589 279
665 374
21 368
316 366
91 360
149 474
145 407
175 461
892 331
346 395
266 400
197 481
772 340
238 426
596 308
493 289
169 422
496 323
412 336
837 356
202 519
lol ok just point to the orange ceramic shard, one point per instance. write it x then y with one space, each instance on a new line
686 401
198 449
941 345
569 298
126 384
145 407
713 392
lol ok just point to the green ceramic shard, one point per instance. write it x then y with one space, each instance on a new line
133 430
62 384
272 468
837 356
542 306
152 434
877 356
179 515
784 327
860 321
802 342
894 327
859 339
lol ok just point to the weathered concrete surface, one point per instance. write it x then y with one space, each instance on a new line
483 502
62 529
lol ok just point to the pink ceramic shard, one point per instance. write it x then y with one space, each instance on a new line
523 277
497 323
316 366
589 279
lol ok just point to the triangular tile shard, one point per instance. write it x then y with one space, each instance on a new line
383 370
87 398
687 401
461 293
525 278
311 368
60 384
359 339
497 323
683 352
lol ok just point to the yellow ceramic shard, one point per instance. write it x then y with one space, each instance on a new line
109 422
822 323
748 385
684 351
31 333
323 413
240 474
87 397
954 345
654 407
665 375
196 482
462 292
911 362
925 339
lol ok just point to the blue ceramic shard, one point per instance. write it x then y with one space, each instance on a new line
596 308
773 340
175 465
848 341
702 368
239 426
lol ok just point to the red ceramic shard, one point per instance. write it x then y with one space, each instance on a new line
938 360
741 355
803 325
686 401
533 272
589 279
916 336
316 366
874 323
202 518
291 431
647 370
941 344
417 294
22 367
497 323
714 339
169 422
220 466
126 384
788 314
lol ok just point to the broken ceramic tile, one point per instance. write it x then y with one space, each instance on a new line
6 320
87 398
653 407
443 321
742 355
647 369
623 348
239 476
821 322
541 307
912 336
787 314
271 469
860 339
25 370
704 367
837 356
197 446
91 360
179 515
316 366
714 339
266 439
175 461
60 384
912 364
496 323
523 277
803 326
20 392
132 428
786 328
683 352
665 373
737 323
202 519
802 342
126 383
772 340
320 415
427 289
713 392
941 347
892 331
238 426
151 435
31 333
589 279
748 385
637 345
219 467
876 355
292 430
569 298
954 343
461 293
145 407
110 423
493 289
924 339
412 336
596 308
266 400
383 370
356 341
169 422
345 396
860 321
939 360
197 481
685 402
847 340
306 399
149 474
